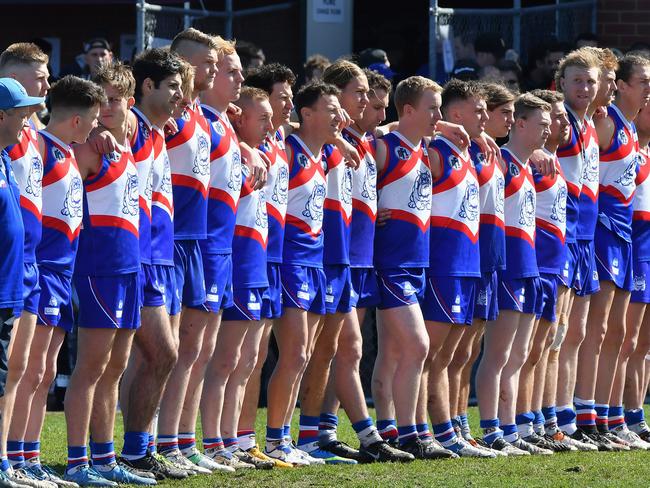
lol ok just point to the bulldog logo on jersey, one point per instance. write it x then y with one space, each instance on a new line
218 128
514 170
590 169
455 163
314 206
202 159
470 206
148 189
629 175
558 210
261 218
166 182
130 198
303 161
499 201
113 157
527 212
58 154
72 205
420 197
482 159
35 177
369 188
639 283
402 153
281 189
346 186
234 180
143 129
622 137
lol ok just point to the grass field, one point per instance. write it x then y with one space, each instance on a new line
570 470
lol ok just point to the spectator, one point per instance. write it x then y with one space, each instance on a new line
586 39
544 62
464 47
373 56
490 49
314 67
97 52
510 74
251 56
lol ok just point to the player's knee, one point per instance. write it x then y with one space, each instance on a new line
416 352
627 348
350 353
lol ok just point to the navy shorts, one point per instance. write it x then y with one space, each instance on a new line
613 258
641 282
218 282
31 289
586 280
522 295
158 287
550 283
303 287
273 306
55 301
108 302
486 303
338 288
190 279
365 292
400 287
248 304
449 299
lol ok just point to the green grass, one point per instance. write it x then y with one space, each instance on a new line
570 470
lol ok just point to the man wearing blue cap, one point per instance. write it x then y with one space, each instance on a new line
15 108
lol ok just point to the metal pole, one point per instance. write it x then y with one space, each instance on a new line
594 22
516 26
229 16
187 20
557 20
433 37
141 13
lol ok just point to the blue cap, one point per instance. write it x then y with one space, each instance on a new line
382 69
12 95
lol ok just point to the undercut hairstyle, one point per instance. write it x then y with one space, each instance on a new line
627 65
580 58
193 35
497 94
155 64
22 53
341 72
315 62
268 75
458 90
251 94
224 47
410 90
117 75
309 94
526 104
377 81
73 93
549 96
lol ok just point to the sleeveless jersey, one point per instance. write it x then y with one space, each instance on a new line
162 209
251 237
550 217
277 191
303 236
189 156
142 150
520 200
404 187
62 206
337 213
225 183
588 214
618 166
27 166
108 241
492 236
455 214
641 205
364 200
571 157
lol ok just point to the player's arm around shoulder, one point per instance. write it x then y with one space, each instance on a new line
605 129
435 161
88 160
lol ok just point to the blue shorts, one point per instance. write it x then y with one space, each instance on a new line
586 280
613 258
248 304
190 279
55 302
449 299
108 302
641 283
338 288
522 295
303 287
273 306
550 284
31 289
158 288
567 275
365 292
400 287
486 303
218 283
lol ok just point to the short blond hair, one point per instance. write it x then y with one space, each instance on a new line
410 90
117 75
250 94
224 47
187 77
527 103
22 53
341 72
580 58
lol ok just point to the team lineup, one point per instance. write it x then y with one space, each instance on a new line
189 212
